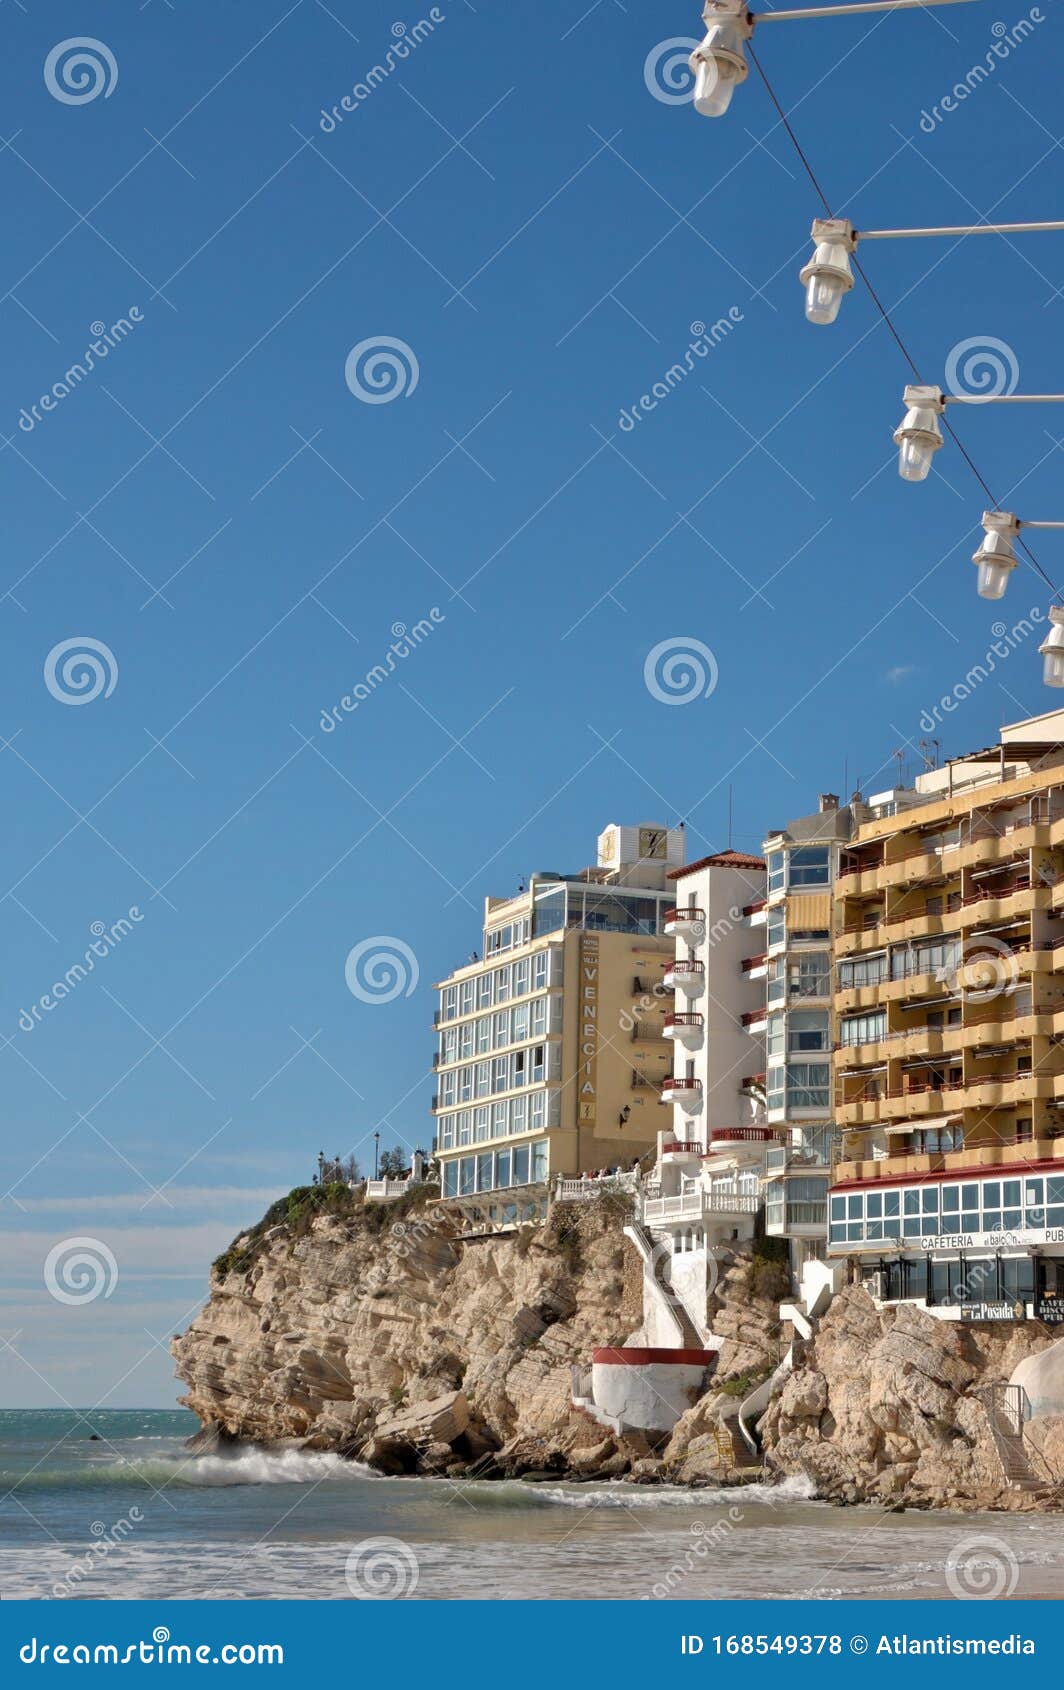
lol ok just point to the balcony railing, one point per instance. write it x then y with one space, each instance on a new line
743 1135
674 1083
753 1016
752 962
692 1020
756 907
683 917
682 1147
684 968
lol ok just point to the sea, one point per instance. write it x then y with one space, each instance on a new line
110 1504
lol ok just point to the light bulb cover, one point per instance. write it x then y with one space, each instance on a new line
996 557
719 63
829 273
919 434
1052 649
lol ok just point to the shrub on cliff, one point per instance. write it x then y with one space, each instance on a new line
295 1213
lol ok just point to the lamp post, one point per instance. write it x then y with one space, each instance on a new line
828 275
719 62
919 434
376 1150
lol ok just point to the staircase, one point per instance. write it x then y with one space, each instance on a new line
1006 1409
656 1259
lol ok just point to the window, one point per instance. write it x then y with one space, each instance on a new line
776 927
540 965
450 1003
809 975
450 1179
809 866
807 1029
808 1085
863 1029
777 871
863 971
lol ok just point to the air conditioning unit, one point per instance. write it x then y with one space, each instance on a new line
875 1285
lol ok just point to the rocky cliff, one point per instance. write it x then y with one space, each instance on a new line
889 1407
371 1331
374 1332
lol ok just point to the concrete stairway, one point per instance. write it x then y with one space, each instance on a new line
656 1261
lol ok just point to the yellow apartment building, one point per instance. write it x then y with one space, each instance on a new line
948 950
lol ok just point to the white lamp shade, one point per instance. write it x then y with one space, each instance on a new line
993 578
714 86
1052 650
916 456
823 297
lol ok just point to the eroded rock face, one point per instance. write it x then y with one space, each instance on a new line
883 1408
397 1345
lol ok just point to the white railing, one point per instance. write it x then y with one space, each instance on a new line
694 1205
381 1190
586 1190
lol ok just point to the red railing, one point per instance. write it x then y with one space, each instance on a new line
673 1084
750 962
684 915
753 1015
743 1135
756 907
684 966
751 1080
692 1020
685 1147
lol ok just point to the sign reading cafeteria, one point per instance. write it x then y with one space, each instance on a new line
990 1240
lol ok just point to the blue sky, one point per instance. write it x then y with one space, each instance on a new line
217 508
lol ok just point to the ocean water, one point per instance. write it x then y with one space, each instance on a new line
132 1514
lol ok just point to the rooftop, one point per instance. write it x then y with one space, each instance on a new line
720 859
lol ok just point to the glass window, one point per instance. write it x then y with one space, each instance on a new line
450 1179
807 1029
539 1159
467 1169
521 1164
809 866
776 927
485 983
776 871
485 1169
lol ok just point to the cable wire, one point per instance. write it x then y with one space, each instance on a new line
885 314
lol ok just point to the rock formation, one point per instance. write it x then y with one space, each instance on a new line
371 1331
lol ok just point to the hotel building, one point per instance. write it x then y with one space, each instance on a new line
949 1005
551 1049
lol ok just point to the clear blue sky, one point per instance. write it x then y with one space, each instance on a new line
514 206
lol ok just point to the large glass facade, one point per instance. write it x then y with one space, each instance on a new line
495 1170
598 909
964 1207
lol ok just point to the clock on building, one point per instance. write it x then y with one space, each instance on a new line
653 842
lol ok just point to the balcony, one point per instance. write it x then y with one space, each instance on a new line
686 976
684 1029
648 1032
690 923
757 908
756 1020
687 1093
684 1148
721 1138
697 1205
755 965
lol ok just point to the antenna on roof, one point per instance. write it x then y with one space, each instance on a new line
729 815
